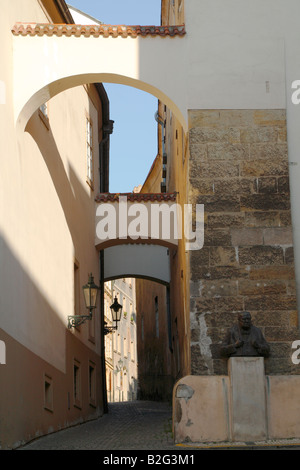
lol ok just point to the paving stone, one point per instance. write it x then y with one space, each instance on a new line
127 425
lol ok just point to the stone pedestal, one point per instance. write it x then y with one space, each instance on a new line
248 400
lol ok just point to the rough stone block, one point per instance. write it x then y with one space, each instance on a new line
217 237
264 167
219 288
225 151
247 287
261 255
283 184
226 220
289 255
271 272
220 203
270 117
265 202
218 168
263 219
267 185
259 134
267 151
246 236
270 302
223 256
198 153
207 134
235 185
278 236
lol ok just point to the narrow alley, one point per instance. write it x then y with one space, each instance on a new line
138 425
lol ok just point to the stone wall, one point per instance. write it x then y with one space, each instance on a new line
239 171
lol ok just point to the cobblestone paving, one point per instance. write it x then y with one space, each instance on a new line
139 425
128 425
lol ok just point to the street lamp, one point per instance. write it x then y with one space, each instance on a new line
90 294
116 312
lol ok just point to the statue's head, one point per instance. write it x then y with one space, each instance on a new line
244 320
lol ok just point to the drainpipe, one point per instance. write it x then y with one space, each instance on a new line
64 11
107 130
163 184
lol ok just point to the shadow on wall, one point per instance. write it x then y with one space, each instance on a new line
73 197
38 344
27 315
39 350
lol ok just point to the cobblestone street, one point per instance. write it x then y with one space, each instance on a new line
138 425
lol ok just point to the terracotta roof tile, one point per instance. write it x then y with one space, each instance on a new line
136 197
105 30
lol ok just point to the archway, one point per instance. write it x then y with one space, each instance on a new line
54 88
71 61
76 55
138 354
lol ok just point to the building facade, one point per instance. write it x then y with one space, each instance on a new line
53 374
121 344
228 122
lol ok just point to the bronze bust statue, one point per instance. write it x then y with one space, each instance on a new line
245 339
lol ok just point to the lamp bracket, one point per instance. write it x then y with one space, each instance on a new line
76 320
109 329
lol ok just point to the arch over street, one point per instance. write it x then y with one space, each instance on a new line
144 261
72 55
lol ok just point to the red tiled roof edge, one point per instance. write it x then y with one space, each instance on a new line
41 29
136 197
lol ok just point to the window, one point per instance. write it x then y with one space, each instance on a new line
92 383
89 152
156 317
44 114
108 346
119 343
132 351
48 393
125 347
44 109
77 384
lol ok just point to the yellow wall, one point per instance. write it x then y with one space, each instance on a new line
177 362
176 180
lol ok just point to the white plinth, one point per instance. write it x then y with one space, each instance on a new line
248 401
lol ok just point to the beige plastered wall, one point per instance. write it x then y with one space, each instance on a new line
46 225
202 409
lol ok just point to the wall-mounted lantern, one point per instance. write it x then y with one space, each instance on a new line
90 294
116 312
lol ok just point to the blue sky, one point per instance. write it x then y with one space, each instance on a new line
133 144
